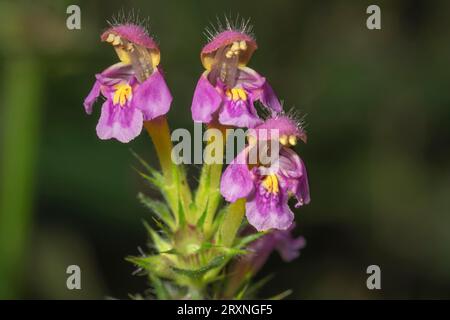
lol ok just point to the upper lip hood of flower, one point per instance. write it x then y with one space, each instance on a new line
131 41
225 38
133 33
288 129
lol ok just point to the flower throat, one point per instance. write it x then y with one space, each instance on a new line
226 65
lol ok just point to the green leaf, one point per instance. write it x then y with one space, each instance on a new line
244 241
164 229
155 181
252 290
281 295
159 287
159 243
197 273
232 221
151 264
145 262
201 220
201 196
181 214
144 163
218 219
241 294
159 208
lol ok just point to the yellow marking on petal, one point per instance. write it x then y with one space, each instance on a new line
242 94
270 183
284 140
122 94
292 140
235 94
243 45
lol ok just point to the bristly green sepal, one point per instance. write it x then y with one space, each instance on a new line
159 287
152 264
159 243
246 240
201 220
160 209
181 215
198 273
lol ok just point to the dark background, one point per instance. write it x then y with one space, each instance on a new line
378 118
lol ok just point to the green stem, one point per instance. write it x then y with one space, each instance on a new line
159 131
208 192
231 222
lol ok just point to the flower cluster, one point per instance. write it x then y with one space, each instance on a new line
197 238
226 92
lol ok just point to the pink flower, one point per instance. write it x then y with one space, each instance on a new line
227 90
134 89
281 240
268 188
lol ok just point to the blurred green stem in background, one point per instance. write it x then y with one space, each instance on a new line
19 122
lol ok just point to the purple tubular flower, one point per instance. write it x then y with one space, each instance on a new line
227 90
259 252
134 89
268 188
280 240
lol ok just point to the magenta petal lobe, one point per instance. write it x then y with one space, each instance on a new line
271 216
92 97
239 113
269 99
153 97
206 101
237 180
121 123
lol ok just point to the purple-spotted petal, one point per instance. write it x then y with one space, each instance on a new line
237 180
206 100
121 123
152 96
265 214
92 97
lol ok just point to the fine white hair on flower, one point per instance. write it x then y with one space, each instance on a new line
296 116
129 17
132 17
229 23
292 114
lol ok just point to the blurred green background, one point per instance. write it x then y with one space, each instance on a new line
378 157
